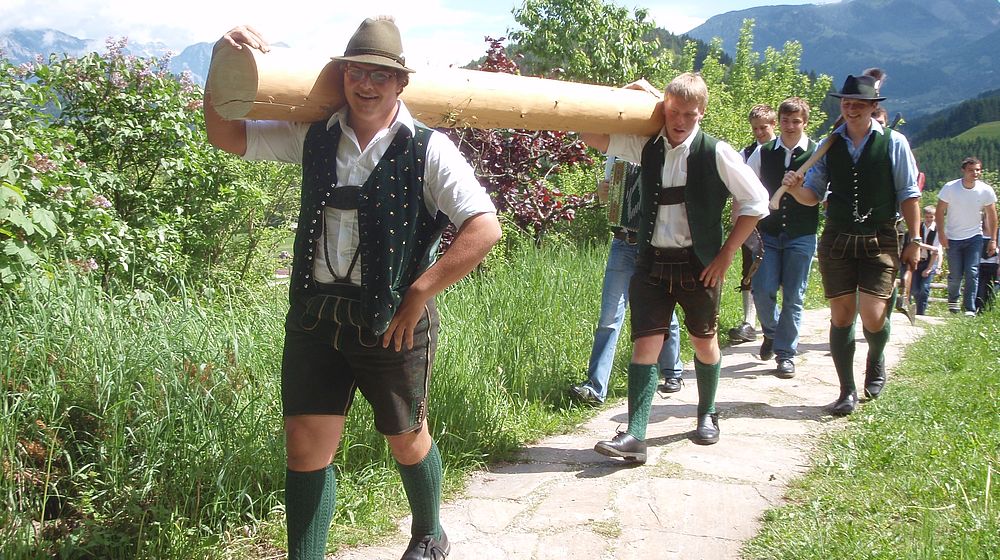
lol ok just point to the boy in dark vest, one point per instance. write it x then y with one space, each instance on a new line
871 175
762 120
683 258
377 189
789 236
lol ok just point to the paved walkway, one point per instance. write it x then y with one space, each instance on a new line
564 501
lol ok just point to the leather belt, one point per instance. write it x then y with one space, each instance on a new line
628 236
671 195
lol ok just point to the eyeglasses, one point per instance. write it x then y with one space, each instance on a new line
378 77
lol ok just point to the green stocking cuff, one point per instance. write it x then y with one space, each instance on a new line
842 352
642 380
422 483
708 385
310 498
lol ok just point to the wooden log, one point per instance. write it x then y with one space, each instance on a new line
284 84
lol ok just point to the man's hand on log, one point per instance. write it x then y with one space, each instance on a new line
643 85
245 35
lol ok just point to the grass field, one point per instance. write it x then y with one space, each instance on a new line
990 130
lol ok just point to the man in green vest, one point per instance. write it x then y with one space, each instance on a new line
870 175
377 189
789 236
683 258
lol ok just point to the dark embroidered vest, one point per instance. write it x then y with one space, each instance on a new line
398 236
791 218
704 194
863 194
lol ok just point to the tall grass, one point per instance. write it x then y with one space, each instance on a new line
915 474
140 425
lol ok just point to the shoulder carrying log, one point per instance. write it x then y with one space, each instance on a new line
294 86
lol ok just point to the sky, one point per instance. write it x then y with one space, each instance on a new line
435 32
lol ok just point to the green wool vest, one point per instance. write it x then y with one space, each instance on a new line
704 194
791 218
863 194
398 236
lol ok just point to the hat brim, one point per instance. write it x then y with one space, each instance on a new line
375 60
856 96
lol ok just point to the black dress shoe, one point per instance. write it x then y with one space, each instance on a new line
427 548
707 431
743 333
846 404
875 378
623 445
767 349
785 369
671 385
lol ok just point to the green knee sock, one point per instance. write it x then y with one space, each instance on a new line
422 483
641 386
708 383
877 342
309 501
842 351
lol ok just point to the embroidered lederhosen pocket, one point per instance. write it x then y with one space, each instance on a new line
342 312
672 268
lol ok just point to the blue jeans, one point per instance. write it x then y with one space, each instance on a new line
920 287
963 262
786 266
614 299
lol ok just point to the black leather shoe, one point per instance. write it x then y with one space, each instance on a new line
767 349
845 404
742 333
623 445
671 385
875 378
427 548
707 431
785 369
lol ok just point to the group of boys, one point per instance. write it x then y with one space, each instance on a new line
378 188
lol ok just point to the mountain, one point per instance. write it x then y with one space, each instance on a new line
935 52
23 45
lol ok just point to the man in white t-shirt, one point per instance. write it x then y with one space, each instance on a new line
966 211
377 189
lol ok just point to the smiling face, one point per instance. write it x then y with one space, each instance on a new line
857 113
680 118
371 92
763 130
792 125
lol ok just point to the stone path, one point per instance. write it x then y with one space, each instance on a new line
564 501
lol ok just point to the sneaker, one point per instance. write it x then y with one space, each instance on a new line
584 394
742 333
970 313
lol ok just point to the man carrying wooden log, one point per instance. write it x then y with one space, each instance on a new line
871 175
686 177
377 190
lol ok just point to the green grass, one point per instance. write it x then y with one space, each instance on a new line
990 131
138 425
915 474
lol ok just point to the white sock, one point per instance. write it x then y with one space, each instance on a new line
749 311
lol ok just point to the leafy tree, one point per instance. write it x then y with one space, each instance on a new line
106 165
733 91
514 165
590 41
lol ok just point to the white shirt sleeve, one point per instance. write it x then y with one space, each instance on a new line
451 185
741 181
275 141
627 146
